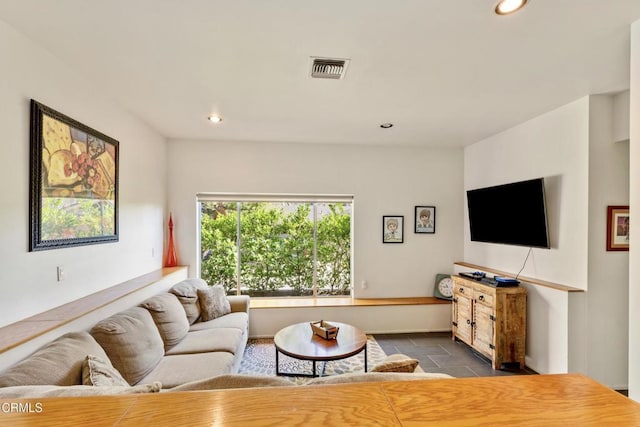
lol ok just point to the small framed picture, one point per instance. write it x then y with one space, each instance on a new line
425 219
617 228
392 229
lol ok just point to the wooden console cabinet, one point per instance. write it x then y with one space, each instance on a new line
491 320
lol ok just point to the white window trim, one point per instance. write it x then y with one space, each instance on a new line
273 197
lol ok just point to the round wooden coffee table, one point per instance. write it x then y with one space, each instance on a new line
299 341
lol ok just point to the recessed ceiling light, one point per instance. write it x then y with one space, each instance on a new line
506 7
215 118
386 125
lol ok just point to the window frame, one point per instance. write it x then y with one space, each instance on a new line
278 198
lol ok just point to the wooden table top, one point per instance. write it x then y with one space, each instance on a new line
300 342
523 400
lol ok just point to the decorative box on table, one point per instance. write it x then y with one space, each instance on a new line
325 330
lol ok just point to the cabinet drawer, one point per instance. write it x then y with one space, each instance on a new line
483 297
461 288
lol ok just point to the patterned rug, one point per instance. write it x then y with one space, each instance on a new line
260 359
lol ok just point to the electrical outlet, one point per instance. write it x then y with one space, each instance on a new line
60 271
153 252
364 284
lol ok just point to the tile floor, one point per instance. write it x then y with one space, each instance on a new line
437 352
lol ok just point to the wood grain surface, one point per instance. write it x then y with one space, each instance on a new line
282 406
523 400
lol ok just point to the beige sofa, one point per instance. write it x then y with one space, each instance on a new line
168 344
168 340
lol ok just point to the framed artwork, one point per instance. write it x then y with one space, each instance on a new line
424 219
617 228
73 182
392 229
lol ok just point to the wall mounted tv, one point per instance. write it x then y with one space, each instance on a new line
512 214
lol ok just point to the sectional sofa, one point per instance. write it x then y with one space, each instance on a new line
191 333
190 338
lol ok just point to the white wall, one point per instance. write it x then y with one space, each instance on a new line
370 319
28 279
634 210
606 313
554 146
383 180
621 116
87 321
572 148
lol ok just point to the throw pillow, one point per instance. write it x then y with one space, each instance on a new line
99 372
396 363
213 302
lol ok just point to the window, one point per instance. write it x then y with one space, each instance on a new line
272 246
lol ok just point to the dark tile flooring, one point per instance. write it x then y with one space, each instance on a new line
437 352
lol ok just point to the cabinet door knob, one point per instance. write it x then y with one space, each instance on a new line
481 297
468 322
461 290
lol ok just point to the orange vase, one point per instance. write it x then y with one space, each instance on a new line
171 260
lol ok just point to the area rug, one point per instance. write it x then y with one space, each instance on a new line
260 359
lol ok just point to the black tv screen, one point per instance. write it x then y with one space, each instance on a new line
512 214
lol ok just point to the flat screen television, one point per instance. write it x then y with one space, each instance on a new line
512 214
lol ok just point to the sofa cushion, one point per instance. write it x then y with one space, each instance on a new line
174 370
213 303
187 293
234 381
169 317
396 363
217 339
100 372
57 363
132 342
232 320
39 391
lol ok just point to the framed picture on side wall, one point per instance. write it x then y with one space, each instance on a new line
424 219
392 229
617 228
73 182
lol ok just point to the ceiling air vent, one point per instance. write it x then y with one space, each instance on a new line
328 68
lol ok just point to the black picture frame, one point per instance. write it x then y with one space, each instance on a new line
392 229
73 187
422 225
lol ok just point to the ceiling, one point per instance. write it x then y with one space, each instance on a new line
445 73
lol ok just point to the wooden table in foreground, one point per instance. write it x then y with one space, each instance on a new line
528 400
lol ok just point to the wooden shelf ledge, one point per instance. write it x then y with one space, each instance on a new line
27 329
258 303
529 280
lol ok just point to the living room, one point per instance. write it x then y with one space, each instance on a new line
576 146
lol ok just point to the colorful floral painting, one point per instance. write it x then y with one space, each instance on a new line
74 182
